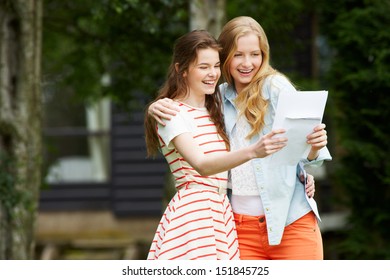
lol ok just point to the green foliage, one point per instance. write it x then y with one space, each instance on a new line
277 24
125 43
360 76
9 196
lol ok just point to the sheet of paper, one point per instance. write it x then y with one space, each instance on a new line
298 113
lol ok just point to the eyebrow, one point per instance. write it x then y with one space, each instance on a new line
258 50
204 63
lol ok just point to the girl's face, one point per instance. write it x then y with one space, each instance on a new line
204 73
246 61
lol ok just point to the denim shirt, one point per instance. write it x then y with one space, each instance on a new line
282 194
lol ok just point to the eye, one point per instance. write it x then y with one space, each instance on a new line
237 55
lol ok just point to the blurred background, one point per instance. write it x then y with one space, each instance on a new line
104 60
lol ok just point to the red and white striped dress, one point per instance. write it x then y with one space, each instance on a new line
198 223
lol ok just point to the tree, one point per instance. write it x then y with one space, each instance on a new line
279 25
207 14
130 42
358 33
20 125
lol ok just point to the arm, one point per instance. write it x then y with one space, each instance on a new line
215 163
163 109
318 140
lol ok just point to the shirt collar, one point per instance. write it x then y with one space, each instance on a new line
229 93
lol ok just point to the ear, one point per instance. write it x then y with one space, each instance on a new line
177 70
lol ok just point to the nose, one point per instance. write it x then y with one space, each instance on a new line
213 72
246 61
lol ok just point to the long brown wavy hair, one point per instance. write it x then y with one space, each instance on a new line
185 52
249 101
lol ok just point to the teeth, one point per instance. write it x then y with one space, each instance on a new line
245 71
209 83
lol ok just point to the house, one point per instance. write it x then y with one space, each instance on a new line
104 194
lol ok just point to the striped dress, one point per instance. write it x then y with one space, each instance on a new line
198 222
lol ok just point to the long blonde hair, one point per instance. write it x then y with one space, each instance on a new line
184 53
250 101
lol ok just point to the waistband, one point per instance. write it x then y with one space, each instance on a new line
239 218
201 187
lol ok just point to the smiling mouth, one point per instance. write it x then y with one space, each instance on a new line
209 83
245 71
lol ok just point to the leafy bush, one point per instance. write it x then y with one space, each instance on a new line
359 34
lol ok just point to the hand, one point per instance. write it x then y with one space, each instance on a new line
310 186
317 139
268 144
163 109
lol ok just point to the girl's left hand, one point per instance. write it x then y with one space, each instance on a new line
317 139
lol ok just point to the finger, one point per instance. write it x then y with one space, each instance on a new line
277 142
310 186
319 127
170 105
317 134
271 143
166 113
163 112
318 139
275 132
317 147
319 144
160 121
310 191
274 148
165 108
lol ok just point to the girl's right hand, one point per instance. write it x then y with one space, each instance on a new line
268 144
163 109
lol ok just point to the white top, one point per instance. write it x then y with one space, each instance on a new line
196 121
243 176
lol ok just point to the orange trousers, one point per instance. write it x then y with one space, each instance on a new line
301 240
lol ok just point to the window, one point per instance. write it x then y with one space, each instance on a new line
76 139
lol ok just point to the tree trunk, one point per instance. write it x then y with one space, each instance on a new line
208 15
20 125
